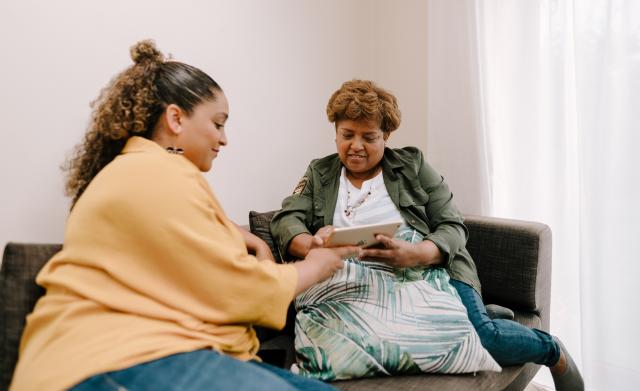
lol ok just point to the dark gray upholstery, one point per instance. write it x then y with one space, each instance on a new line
259 225
514 266
21 263
513 258
514 263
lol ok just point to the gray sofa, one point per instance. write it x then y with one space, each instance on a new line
514 263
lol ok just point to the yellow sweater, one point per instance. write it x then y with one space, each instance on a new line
151 266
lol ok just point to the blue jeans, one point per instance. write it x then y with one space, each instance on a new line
201 370
508 342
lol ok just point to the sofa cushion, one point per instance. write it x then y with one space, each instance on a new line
371 319
259 226
481 381
18 295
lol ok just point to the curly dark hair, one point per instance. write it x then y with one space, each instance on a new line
363 100
130 105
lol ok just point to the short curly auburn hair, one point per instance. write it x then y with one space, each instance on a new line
363 100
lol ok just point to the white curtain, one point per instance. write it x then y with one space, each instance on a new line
559 93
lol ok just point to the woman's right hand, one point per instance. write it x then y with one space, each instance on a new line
301 244
320 264
321 237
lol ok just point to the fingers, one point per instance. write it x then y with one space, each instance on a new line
318 241
385 253
346 251
386 241
325 231
265 257
388 261
321 237
376 253
264 253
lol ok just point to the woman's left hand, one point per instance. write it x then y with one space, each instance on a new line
255 245
399 253
263 252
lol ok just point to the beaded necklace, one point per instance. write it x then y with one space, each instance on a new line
350 209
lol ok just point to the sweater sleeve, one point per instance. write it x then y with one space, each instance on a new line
166 238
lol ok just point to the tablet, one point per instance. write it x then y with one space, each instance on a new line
361 235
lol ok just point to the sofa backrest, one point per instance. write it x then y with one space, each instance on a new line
513 258
21 263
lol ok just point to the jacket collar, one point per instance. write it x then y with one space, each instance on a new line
329 171
390 165
328 167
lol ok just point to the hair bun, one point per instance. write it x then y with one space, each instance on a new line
144 51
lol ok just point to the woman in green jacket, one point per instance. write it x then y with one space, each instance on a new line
365 183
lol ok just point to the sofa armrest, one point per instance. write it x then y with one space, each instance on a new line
21 262
514 262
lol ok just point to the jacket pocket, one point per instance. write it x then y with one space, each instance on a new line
317 220
415 196
414 202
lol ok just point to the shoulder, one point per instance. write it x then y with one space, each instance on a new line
141 193
324 162
142 156
406 153
146 169
324 167
146 180
404 157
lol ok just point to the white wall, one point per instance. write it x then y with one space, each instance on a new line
392 49
278 61
454 115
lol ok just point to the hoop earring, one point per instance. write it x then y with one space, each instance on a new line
176 151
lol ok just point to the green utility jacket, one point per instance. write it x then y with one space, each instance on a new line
417 190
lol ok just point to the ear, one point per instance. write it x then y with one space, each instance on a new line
385 135
174 116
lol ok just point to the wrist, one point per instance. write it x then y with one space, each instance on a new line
250 240
308 244
300 245
309 274
430 254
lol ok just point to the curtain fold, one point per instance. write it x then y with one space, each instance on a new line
456 138
607 47
534 113
560 96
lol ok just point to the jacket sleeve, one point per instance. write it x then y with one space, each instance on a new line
295 216
448 231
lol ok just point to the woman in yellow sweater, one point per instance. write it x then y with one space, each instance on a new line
155 288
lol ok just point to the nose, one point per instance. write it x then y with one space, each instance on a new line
223 137
356 144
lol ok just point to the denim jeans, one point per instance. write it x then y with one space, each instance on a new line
508 342
201 370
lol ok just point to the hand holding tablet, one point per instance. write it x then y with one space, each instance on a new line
362 235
